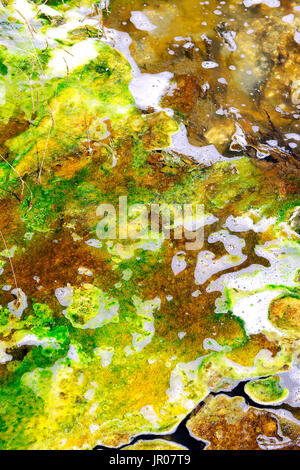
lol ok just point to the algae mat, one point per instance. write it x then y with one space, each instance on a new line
149 193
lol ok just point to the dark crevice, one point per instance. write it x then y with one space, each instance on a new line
181 435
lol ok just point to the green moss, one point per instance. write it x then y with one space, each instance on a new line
46 207
42 316
47 356
18 405
286 208
4 317
3 68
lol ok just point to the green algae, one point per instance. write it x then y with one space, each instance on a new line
82 100
91 308
266 391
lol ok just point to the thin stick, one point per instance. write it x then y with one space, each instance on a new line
30 28
43 159
52 117
32 97
88 134
100 20
66 68
9 257
37 101
22 181
68 52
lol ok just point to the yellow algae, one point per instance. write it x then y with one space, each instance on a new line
91 308
156 444
284 313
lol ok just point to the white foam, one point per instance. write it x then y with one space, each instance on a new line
73 353
291 380
268 3
288 18
207 265
178 263
297 37
32 340
106 355
44 9
64 61
254 309
64 295
207 154
209 64
26 9
149 414
245 223
141 21
148 89
233 244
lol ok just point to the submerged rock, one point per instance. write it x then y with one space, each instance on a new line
229 424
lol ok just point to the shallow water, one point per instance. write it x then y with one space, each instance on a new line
230 64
